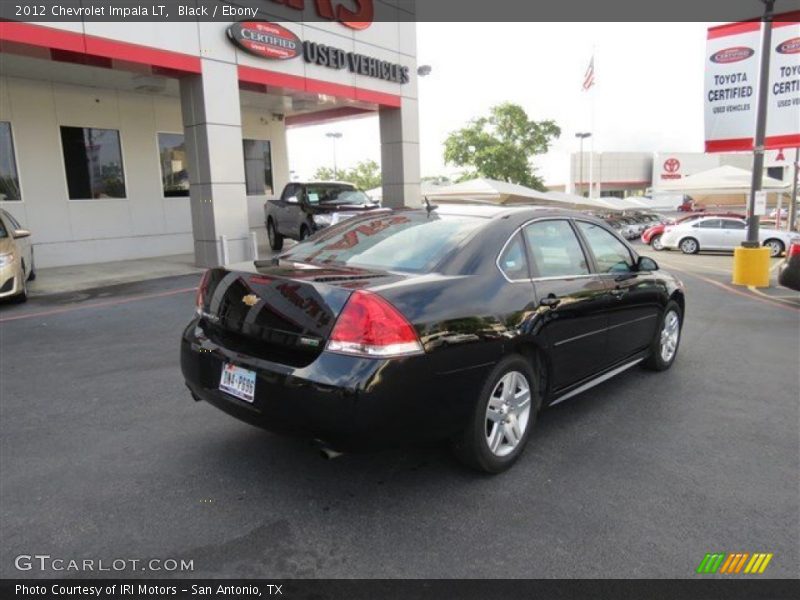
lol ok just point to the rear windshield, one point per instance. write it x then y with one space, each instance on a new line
412 242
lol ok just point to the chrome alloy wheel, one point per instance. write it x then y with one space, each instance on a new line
508 413
669 336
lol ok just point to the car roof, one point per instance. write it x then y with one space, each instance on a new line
490 211
347 183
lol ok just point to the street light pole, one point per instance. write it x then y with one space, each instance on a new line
582 136
334 135
761 126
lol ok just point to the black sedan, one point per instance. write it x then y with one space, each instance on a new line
456 322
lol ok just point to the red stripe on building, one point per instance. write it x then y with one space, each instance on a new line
251 75
42 37
71 41
135 53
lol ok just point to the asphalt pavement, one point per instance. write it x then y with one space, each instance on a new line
104 455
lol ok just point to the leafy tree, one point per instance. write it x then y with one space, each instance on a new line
501 145
366 174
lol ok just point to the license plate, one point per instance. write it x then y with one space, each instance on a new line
238 382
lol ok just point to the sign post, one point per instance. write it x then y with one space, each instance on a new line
761 127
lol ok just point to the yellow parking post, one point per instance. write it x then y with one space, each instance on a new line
751 266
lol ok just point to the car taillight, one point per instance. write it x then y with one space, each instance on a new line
202 289
369 326
794 249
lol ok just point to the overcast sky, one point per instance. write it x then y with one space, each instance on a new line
648 94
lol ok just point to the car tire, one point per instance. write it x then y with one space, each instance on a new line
275 238
666 342
32 274
304 232
689 245
500 425
776 247
655 243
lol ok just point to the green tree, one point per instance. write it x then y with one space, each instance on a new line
501 145
365 175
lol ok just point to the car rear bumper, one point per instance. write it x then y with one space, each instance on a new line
349 402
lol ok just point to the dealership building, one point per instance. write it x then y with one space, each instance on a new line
135 140
623 174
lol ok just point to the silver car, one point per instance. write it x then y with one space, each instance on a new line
719 233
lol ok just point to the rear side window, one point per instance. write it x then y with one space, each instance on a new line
555 250
709 224
512 261
731 224
611 255
412 242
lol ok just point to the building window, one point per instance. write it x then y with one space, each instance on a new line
775 173
93 161
174 177
9 180
258 167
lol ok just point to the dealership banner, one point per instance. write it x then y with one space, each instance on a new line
731 86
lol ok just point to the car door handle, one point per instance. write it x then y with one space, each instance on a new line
550 301
618 293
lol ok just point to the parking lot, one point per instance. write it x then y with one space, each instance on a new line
103 454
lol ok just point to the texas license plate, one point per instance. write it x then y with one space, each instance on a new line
238 382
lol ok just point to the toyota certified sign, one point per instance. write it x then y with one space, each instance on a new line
264 39
732 59
731 55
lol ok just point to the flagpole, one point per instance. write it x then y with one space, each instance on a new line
591 127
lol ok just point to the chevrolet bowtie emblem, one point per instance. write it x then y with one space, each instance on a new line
251 299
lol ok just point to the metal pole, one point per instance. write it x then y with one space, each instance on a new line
761 126
793 200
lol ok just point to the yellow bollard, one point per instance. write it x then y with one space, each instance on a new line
751 266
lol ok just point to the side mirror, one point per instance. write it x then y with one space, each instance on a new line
292 200
646 263
21 233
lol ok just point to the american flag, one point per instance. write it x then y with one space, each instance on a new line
588 78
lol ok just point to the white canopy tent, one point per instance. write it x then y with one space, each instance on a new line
491 191
722 180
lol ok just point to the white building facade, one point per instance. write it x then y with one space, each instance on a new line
134 140
622 174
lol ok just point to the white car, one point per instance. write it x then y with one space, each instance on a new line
721 233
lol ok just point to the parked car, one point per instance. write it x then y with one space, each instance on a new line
652 235
306 207
16 258
627 227
784 213
789 271
452 323
715 233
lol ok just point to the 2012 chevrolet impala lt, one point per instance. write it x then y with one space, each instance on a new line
455 322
